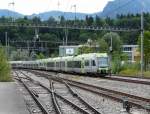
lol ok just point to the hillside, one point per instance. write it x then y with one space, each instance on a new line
125 7
8 13
56 14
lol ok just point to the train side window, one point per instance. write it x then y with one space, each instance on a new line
93 63
86 63
69 64
50 64
62 64
77 64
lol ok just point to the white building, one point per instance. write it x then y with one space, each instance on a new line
131 51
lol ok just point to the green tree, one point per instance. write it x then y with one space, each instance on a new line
89 20
85 49
103 45
40 56
4 67
146 45
116 41
117 52
19 55
99 21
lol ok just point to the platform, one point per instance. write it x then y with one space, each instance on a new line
11 100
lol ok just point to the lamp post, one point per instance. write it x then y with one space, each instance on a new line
142 38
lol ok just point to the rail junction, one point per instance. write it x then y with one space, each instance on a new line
64 93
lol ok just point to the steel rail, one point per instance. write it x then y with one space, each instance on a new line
137 101
130 80
34 96
67 101
81 99
59 96
54 100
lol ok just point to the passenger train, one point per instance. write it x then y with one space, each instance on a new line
92 63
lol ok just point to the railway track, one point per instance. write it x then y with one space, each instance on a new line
83 108
129 80
116 78
33 89
137 101
74 96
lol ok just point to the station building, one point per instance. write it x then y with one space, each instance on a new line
132 52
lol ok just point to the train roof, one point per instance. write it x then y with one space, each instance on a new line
11 62
78 57
92 55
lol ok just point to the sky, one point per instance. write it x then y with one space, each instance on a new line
29 7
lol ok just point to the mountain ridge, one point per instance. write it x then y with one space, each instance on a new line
112 9
9 13
125 7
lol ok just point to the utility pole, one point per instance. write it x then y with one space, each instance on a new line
13 15
6 43
66 36
8 51
142 38
111 43
66 33
28 46
63 41
75 9
58 5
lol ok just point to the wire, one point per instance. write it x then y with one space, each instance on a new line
67 6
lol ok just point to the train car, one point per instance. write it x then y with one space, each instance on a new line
42 64
97 63
16 64
92 63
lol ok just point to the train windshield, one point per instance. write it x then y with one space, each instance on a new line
103 61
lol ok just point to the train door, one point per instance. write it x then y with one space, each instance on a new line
93 65
87 66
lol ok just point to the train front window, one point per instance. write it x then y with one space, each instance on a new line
102 61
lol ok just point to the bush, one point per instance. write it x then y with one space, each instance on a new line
132 66
4 67
130 69
129 72
133 69
116 65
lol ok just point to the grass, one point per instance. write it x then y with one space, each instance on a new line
132 72
147 74
5 73
129 72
